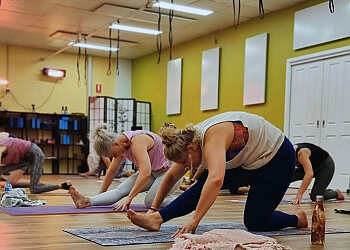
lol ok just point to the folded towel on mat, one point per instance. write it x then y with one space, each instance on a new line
18 197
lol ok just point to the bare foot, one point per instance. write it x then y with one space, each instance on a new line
340 195
83 175
151 222
302 219
80 201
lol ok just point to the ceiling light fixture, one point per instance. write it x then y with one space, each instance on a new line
182 8
92 46
135 29
55 73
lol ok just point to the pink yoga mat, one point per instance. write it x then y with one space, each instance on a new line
54 210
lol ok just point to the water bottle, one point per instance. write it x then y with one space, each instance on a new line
318 223
8 186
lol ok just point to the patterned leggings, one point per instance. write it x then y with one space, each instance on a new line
34 157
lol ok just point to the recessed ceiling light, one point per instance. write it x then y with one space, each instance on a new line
182 8
135 29
93 46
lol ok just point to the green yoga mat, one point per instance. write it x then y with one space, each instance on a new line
119 236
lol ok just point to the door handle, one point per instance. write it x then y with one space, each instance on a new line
323 124
318 123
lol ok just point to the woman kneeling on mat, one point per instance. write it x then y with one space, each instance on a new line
238 149
16 155
145 150
314 162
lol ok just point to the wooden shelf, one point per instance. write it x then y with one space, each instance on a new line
66 130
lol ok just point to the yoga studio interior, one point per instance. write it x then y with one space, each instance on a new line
170 124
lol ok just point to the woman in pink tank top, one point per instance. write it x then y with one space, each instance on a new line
145 150
16 155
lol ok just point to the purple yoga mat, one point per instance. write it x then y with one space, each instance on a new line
54 210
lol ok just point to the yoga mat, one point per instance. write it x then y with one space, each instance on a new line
289 201
119 236
55 210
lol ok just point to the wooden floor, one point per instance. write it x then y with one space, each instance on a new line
45 232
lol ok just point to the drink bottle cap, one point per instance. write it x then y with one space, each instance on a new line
7 181
319 198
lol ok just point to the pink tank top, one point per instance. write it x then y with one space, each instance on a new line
156 153
16 150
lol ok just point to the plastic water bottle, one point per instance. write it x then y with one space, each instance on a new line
7 200
8 186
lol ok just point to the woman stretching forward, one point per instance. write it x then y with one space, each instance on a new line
16 155
238 149
145 150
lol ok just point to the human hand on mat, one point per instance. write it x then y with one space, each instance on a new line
189 227
297 200
125 204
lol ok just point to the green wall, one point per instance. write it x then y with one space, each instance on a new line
149 78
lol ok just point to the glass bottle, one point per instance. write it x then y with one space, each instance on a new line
318 222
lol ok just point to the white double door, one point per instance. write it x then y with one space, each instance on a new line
320 110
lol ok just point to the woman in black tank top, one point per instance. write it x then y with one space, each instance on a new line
314 162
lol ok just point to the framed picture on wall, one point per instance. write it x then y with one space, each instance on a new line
173 97
210 79
255 69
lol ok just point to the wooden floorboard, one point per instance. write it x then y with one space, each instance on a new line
45 232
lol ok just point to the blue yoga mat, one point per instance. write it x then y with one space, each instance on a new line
119 236
55 210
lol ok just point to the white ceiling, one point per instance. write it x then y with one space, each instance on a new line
51 24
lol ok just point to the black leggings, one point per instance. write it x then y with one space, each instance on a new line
268 185
323 177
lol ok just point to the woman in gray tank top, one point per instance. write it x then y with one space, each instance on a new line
238 149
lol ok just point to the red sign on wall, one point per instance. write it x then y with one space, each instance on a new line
98 88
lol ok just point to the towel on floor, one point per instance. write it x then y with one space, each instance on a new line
222 239
18 197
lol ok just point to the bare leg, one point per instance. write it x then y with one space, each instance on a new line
151 222
302 219
340 195
80 201
20 182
